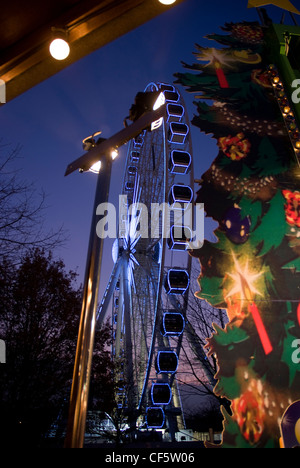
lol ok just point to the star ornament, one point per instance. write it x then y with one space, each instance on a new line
243 282
284 4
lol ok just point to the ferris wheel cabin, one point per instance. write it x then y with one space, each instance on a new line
173 324
161 394
175 112
155 418
166 362
180 194
179 237
176 281
180 162
178 132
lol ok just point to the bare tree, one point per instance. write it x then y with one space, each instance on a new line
21 211
111 402
197 375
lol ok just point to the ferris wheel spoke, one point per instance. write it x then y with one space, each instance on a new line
142 313
111 286
128 336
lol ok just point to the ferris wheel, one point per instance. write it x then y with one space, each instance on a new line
149 284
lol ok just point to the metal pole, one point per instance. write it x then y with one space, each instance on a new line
85 344
260 16
294 19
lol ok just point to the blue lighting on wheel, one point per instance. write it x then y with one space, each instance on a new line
135 156
174 111
166 87
173 324
178 132
171 96
161 394
155 418
139 140
166 362
129 186
132 170
180 194
180 162
177 281
181 242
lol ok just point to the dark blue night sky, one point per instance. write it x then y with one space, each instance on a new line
96 93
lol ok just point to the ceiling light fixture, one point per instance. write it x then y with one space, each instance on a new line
167 2
59 47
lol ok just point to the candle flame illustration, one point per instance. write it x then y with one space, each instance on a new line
244 281
244 287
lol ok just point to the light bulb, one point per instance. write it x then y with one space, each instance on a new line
59 49
96 167
114 154
160 101
167 2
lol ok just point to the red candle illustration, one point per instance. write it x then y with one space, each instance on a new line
244 287
253 309
221 75
218 59
264 338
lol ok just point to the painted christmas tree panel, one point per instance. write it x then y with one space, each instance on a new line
253 270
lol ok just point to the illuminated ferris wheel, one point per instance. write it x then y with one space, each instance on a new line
149 285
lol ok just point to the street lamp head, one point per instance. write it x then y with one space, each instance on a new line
160 101
89 143
95 169
145 102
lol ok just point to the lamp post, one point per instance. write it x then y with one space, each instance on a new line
86 334
87 326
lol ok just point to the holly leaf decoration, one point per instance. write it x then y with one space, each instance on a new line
214 286
231 335
265 234
251 208
293 265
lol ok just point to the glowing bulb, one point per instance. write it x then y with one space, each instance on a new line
59 49
297 144
160 101
96 167
167 2
114 154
